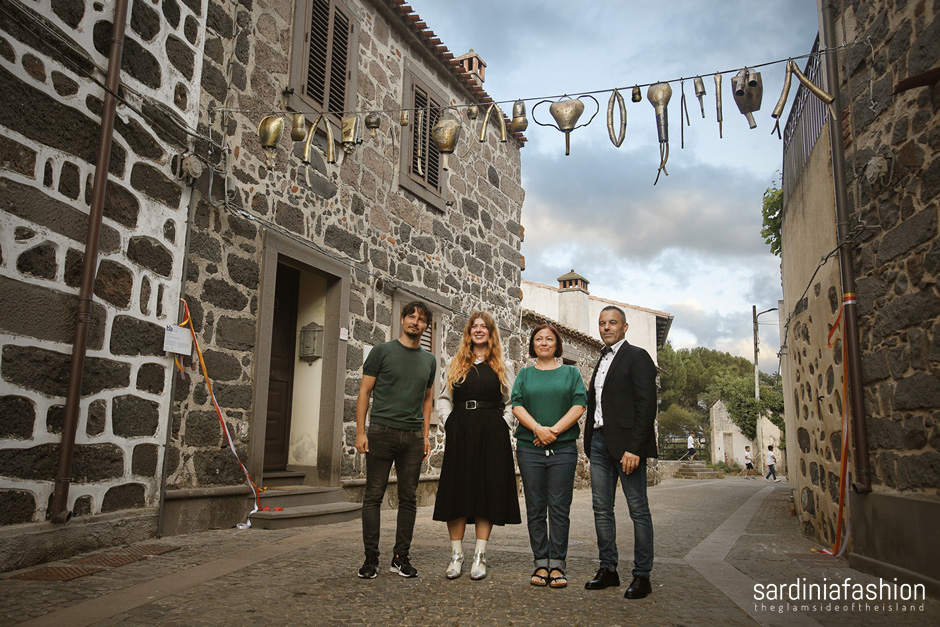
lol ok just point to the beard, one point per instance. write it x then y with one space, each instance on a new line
413 334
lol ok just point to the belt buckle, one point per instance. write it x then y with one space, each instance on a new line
470 405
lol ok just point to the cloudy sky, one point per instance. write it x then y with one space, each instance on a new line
691 245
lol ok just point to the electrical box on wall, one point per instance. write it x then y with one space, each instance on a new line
311 342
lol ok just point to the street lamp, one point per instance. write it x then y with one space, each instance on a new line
756 371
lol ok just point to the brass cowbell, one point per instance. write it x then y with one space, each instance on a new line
270 130
445 135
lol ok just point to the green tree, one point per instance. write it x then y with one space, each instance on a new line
677 422
773 217
737 393
686 377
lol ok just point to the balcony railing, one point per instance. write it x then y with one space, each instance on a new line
804 125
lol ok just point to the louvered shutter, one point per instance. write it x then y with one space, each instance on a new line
426 167
427 339
327 58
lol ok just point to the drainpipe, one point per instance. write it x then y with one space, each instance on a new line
60 496
853 366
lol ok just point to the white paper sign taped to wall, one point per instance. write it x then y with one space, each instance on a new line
177 340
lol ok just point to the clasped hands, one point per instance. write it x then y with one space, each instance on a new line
544 435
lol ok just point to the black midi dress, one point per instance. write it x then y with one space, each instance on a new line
478 476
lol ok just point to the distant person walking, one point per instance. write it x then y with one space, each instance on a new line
748 462
771 462
398 377
691 448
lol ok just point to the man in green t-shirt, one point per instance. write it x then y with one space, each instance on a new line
398 376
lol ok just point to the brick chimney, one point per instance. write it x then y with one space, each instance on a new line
473 64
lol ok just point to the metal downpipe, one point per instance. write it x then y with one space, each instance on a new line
60 512
853 366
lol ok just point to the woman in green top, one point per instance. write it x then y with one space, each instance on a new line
547 400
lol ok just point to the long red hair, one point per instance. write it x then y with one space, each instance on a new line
461 363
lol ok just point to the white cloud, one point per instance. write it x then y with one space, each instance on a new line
691 245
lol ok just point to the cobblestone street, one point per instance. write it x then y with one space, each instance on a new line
714 541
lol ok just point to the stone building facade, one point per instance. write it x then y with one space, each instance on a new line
260 245
890 129
52 59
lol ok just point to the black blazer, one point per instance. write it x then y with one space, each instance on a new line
629 403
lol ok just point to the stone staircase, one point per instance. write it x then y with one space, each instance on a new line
696 470
302 505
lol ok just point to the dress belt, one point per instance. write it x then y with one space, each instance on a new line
482 405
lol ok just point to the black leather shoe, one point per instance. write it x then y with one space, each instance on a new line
639 588
603 579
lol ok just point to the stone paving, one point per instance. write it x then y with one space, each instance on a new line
714 541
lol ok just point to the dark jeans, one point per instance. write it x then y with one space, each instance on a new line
605 471
405 449
548 483
771 471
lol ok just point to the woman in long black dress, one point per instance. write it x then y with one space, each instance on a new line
478 478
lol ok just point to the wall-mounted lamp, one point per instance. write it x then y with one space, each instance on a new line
311 342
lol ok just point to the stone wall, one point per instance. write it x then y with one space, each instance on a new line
49 133
894 223
354 212
898 260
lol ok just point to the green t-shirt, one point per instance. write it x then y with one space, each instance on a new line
402 377
548 395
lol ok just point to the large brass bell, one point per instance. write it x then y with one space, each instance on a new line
748 93
373 121
445 135
270 130
519 122
298 127
566 112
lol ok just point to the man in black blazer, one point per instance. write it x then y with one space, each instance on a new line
618 439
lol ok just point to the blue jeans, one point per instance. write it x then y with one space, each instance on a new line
405 449
771 471
548 484
605 470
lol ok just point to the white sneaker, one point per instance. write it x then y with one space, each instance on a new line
478 570
455 568
776 480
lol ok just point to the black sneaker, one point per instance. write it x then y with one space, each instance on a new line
370 568
402 565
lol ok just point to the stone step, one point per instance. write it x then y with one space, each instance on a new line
284 477
307 515
298 495
700 474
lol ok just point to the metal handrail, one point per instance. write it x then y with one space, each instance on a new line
807 117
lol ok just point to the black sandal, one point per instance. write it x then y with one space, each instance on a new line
537 579
558 581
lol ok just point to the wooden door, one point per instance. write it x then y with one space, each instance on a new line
281 378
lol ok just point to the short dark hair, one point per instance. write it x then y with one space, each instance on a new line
623 316
416 305
551 327
770 447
